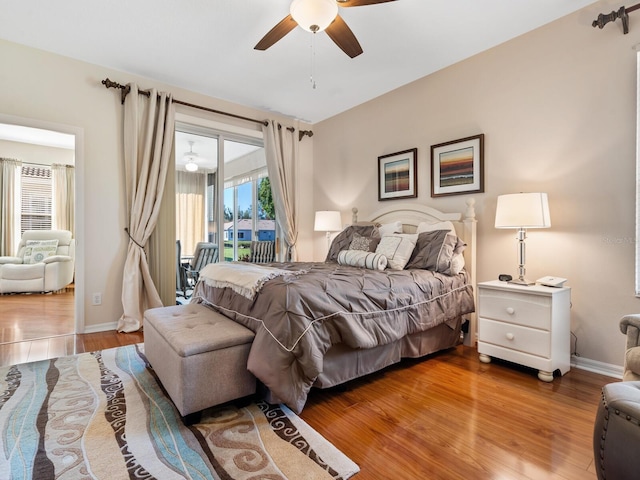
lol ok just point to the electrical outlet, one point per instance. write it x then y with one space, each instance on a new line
97 299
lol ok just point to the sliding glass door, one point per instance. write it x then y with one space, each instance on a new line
223 194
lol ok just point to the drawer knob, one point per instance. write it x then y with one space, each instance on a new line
510 310
510 336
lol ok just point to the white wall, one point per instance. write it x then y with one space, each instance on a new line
51 88
557 107
38 154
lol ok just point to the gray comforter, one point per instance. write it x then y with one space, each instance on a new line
298 317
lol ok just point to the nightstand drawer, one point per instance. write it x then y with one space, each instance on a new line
515 307
515 337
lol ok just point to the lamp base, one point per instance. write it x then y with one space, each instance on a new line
521 281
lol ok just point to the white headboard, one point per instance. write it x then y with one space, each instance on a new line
411 214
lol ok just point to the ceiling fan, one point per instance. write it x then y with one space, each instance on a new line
316 16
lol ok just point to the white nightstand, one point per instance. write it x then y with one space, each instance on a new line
525 325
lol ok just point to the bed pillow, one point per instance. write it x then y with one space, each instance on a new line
457 262
458 259
390 228
432 227
37 250
397 248
345 237
438 251
360 258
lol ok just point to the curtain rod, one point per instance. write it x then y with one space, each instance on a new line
125 89
622 13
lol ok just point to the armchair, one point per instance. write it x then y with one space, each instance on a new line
205 253
616 436
32 271
630 326
262 251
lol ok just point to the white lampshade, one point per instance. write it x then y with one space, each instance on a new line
328 221
523 210
314 15
191 166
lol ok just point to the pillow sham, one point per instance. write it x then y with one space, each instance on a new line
397 248
360 258
458 259
360 242
438 251
37 250
390 228
345 237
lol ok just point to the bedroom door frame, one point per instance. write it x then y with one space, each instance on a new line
78 133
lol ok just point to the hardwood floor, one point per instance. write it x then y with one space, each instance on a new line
451 417
444 417
31 316
37 327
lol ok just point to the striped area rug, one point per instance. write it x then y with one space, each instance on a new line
104 415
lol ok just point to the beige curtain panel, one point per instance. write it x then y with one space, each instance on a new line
190 205
281 152
148 141
10 174
64 194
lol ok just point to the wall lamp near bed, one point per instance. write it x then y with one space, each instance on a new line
328 221
522 211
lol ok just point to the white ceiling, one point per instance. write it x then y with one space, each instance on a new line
37 136
207 45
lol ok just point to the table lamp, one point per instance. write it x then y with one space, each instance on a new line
328 221
522 211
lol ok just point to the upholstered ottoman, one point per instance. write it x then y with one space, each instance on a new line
199 355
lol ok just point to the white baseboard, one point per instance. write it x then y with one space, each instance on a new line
101 327
594 366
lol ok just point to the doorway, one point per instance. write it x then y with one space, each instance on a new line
41 144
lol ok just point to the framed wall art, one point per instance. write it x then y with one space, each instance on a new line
457 167
397 175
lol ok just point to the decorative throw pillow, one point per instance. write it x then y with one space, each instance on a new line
359 258
37 250
344 238
397 248
438 251
359 242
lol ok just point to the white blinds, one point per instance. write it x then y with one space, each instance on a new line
36 198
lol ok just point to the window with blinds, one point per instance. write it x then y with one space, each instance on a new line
36 198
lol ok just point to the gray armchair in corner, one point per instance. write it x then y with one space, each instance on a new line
630 326
616 432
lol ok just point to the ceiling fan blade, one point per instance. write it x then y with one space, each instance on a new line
360 3
342 36
276 33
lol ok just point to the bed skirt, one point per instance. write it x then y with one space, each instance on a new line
342 363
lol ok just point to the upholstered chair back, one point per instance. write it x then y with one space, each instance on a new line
66 244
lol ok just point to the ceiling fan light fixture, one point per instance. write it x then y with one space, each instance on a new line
314 15
190 158
191 166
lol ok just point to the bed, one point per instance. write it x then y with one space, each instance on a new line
320 324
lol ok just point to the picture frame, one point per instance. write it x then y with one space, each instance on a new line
398 175
457 167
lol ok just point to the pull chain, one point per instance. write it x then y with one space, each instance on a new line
313 60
